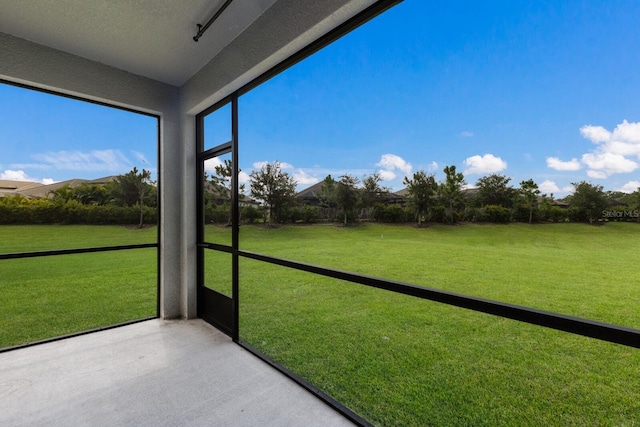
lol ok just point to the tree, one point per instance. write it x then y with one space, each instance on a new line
327 195
529 190
450 190
62 194
221 183
132 189
588 200
422 188
371 193
275 188
633 200
347 196
495 190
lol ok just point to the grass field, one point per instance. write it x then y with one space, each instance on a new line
396 360
51 296
575 269
401 361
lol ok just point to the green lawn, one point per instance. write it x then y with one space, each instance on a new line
30 238
46 297
398 360
575 269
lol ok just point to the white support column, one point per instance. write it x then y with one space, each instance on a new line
171 178
188 290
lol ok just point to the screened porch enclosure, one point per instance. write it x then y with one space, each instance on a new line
239 336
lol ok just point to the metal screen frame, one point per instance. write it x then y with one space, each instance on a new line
72 251
574 325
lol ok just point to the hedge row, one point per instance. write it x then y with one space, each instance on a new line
45 211
73 212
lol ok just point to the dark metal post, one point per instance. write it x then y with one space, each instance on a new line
235 221
200 204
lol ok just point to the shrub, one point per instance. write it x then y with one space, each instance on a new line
554 214
472 214
20 210
495 213
250 214
391 214
310 214
621 213
218 214
521 213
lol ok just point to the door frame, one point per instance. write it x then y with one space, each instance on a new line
214 307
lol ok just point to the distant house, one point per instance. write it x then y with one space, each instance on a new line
390 198
469 194
616 202
37 190
311 196
17 188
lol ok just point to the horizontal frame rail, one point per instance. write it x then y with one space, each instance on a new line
575 325
75 251
220 150
216 246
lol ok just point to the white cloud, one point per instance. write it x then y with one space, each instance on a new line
603 164
630 187
433 167
484 164
386 175
547 187
559 165
20 175
243 177
285 165
624 140
96 160
612 149
390 163
467 134
596 174
303 178
610 154
595 134
210 164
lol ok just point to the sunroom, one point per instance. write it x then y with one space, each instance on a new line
237 336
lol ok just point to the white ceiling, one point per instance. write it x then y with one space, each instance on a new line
151 38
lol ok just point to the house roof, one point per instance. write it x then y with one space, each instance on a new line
403 193
311 192
12 188
39 190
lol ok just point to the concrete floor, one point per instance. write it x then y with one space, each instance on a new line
154 373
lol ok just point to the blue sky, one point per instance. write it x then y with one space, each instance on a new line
546 90
49 138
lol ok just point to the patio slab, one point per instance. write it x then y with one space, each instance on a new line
158 372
